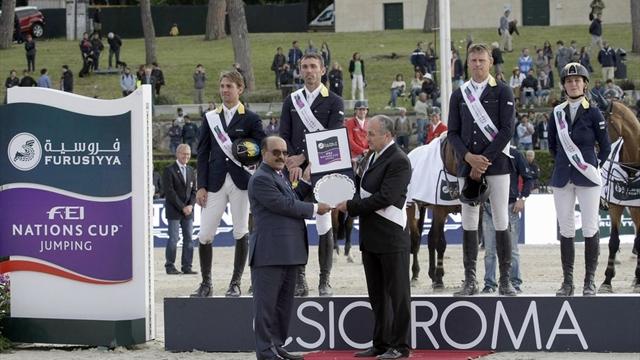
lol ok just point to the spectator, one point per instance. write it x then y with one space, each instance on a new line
416 86
86 51
457 70
541 62
356 70
419 59
159 76
326 59
174 31
276 65
147 77
274 125
547 51
575 54
335 79
44 81
525 62
97 47
543 132
496 54
421 108
158 193
175 137
298 81
397 89
563 56
97 22
402 127
180 117
503 31
613 91
30 50
598 89
585 59
199 84
11 81
127 82
17 31
544 88
357 131
533 169
286 81
190 134
430 88
311 49
500 77
515 82
596 8
66 80
525 131
115 43
595 29
430 53
607 58
621 67
436 127
529 89
27 80
295 54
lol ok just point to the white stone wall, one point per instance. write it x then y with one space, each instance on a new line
368 15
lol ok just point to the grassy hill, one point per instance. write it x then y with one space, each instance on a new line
178 57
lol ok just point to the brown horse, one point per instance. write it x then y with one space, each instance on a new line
437 242
622 123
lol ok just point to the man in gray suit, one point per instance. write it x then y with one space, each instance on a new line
278 246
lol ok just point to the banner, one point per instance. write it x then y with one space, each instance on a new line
75 231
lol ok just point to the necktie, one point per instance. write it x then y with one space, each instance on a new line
183 170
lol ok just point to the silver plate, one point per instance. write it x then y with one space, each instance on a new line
333 189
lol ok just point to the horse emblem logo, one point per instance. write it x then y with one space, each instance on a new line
24 151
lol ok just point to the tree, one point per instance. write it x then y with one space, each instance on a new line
431 16
6 23
635 26
149 31
240 41
215 20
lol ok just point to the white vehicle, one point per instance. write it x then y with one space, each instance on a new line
325 19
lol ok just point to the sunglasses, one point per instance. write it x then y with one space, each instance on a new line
278 153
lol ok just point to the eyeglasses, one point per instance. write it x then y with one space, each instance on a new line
278 153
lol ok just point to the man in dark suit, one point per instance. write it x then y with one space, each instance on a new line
223 180
384 240
180 195
481 120
279 246
314 109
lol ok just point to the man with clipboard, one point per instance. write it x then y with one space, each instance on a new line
310 109
481 119
223 180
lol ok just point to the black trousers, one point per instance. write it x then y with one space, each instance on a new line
273 288
390 297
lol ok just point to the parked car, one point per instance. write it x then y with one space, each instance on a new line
325 19
31 20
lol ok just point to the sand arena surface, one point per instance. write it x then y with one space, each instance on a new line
540 266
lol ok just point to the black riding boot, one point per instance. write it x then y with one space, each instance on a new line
206 259
239 261
591 252
567 255
301 283
469 258
325 258
503 249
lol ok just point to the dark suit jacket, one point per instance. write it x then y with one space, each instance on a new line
279 234
387 180
213 163
587 129
178 194
328 109
466 136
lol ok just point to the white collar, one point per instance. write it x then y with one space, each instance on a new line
180 165
312 95
231 111
385 148
361 122
480 85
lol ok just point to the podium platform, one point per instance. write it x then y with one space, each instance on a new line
609 323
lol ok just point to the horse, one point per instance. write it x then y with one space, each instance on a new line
622 123
437 242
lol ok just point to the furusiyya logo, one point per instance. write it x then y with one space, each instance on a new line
24 151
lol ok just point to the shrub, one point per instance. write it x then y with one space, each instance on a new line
5 296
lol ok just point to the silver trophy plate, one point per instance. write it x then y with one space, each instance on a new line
333 189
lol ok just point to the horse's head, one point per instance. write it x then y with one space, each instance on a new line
622 122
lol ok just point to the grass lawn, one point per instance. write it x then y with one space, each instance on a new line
178 57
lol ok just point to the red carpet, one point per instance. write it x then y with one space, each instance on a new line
415 354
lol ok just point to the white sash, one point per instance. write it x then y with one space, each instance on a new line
472 98
391 213
304 111
222 138
572 151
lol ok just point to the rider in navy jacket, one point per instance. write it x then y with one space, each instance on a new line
588 128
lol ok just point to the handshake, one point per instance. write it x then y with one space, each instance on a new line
323 208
